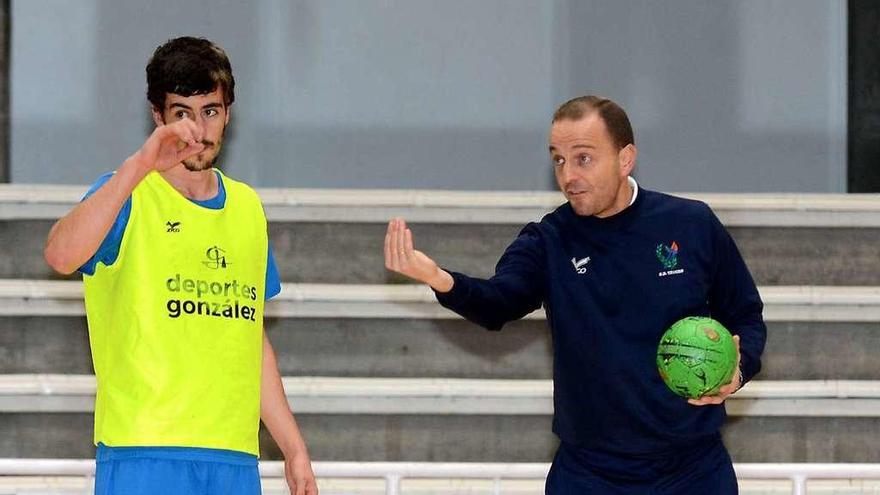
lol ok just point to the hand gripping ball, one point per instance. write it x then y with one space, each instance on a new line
696 357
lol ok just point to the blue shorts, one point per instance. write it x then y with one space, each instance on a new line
175 471
699 470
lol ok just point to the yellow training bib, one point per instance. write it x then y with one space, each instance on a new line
175 324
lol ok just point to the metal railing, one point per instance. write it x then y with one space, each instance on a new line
394 472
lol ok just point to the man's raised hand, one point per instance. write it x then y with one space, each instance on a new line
171 144
401 257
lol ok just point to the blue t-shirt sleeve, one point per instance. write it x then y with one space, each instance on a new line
273 280
108 251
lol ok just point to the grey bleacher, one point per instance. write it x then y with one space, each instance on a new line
816 258
458 396
334 236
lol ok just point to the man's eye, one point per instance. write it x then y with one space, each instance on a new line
558 161
585 159
211 112
181 115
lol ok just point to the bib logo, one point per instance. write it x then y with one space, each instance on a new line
668 257
230 299
216 258
172 226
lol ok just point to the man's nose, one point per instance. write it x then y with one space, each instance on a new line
567 172
200 121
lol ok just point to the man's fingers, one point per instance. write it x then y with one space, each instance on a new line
400 253
388 259
711 399
174 142
190 150
187 138
183 130
396 241
187 128
185 154
394 257
408 244
301 486
401 239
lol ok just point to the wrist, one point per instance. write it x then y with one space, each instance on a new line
138 166
442 281
293 449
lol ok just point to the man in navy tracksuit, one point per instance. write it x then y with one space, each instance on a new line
614 267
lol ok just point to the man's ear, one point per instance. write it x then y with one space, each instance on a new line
157 116
627 157
228 113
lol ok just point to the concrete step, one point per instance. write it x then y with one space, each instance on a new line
36 201
781 303
399 331
459 438
443 348
417 396
352 252
335 236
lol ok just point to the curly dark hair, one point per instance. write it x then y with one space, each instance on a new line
188 66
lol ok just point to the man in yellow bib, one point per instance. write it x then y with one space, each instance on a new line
177 267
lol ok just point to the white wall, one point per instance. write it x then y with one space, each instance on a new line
734 95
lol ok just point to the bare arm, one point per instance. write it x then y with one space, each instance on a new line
276 415
76 236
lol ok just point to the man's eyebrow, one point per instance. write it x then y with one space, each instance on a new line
587 146
187 107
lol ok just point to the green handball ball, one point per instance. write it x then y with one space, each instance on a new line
696 357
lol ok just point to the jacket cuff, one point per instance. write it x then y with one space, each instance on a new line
458 294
